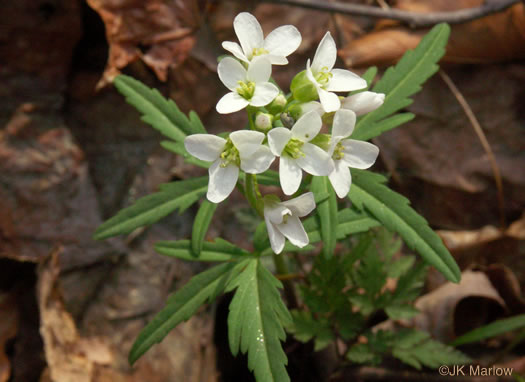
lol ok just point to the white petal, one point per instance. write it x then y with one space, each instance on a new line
341 178
330 101
325 55
275 212
278 138
359 154
344 122
222 181
310 75
205 147
234 49
283 41
276 60
364 102
276 238
249 33
231 72
307 127
302 205
264 93
294 231
247 141
290 175
258 162
259 70
344 81
315 160
231 103
312 106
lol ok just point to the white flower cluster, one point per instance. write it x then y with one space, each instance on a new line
297 142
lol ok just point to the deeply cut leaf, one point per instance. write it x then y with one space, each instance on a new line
161 113
182 305
368 192
220 250
402 81
255 322
150 209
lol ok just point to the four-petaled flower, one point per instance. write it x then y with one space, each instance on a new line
242 149
347 153
248 87
326 79
296 153
282 220
280 43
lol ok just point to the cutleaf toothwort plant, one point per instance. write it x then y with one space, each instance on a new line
321 128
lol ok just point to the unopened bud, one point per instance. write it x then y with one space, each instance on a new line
263 121
364 102
302 88
278 104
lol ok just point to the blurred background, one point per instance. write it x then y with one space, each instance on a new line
72 153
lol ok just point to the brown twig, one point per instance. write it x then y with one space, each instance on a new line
414 19
484 142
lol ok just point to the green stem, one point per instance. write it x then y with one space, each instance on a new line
253 194
251 111
282 269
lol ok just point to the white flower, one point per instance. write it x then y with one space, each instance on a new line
364 102
248 87
282 220
347 153
326 79
242 149
297 153
280 43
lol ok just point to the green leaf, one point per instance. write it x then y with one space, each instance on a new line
150 209
157 111
362 353
401 312
400 266
327 213
305 327
416 348
255 322
491 330
220 250
200 225
403 80
182 305
368 192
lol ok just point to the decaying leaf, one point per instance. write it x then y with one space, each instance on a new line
498 37
159 33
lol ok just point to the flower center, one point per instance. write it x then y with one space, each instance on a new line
259 52
293 148
246 89
323 77
338 152
230 154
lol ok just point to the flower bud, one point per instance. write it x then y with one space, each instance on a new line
299 109
263 121
277 105
364 102
302 88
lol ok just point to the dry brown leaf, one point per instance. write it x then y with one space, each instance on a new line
70 357
159 33
453 309
494 38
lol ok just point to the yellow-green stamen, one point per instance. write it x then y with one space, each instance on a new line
230 154
259 51
323 77
246 89
293 148
338 152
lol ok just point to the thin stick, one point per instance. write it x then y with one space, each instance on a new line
484 142
414 19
